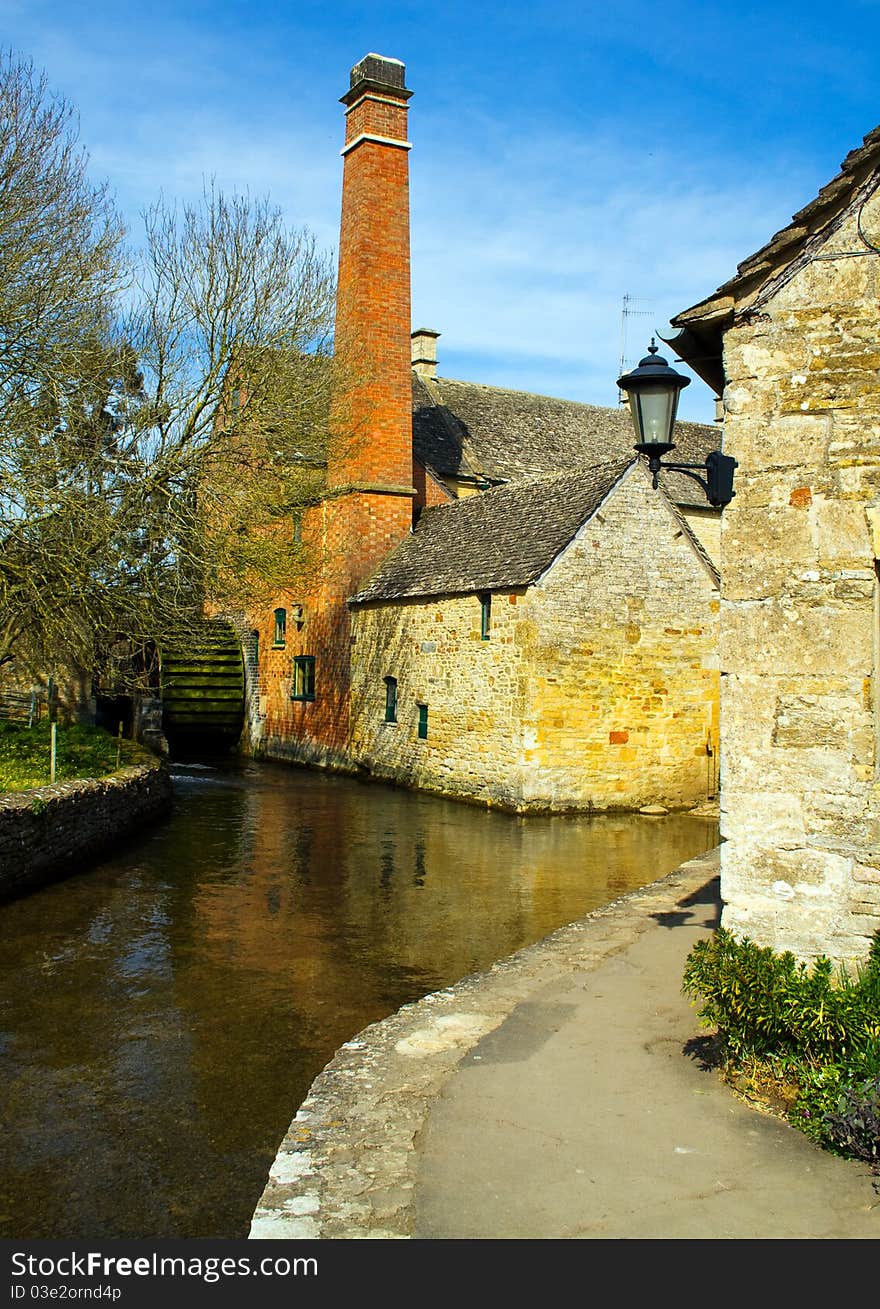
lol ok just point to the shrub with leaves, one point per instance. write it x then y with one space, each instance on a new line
820 1026
853 1125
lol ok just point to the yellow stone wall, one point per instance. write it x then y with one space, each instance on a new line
800 802
597 687
706 527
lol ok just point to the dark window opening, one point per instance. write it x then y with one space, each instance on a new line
280 627
390 699
485 616
303 678
423 722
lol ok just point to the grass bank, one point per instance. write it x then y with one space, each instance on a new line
81 752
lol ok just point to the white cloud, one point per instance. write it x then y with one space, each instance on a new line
523 262
527 233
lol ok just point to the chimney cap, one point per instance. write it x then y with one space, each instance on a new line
380 70
424 351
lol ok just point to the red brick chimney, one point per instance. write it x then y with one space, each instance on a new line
373 458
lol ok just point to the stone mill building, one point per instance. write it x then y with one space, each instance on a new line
792 341
505 610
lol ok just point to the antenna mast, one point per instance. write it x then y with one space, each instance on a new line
626 312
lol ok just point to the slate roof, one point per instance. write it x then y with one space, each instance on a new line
499 538
761 274
464 429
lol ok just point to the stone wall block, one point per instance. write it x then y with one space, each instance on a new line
788 540
788 638
784 441
843 538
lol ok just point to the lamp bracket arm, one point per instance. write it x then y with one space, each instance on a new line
656 468
689 471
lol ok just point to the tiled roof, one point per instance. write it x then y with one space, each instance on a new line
500 538
463 429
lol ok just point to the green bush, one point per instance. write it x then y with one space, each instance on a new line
813 1026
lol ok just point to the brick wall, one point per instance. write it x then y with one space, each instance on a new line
370 466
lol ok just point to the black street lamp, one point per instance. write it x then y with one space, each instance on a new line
653 389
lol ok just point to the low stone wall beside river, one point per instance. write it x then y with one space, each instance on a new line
53 831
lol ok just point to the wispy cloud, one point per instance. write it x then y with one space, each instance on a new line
562 159
523 262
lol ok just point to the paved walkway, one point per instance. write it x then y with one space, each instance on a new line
555 1096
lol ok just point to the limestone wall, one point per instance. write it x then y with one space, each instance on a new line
706 527
597 687
800 801
56 830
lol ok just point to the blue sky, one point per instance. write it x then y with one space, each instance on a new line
564 155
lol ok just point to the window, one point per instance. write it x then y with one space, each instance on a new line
390 699
303 678
297 526
423 722
485 616
280 627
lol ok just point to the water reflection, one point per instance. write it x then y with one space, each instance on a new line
164 1014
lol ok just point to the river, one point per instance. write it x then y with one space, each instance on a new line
163 1014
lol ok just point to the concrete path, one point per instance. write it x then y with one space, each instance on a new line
554 1097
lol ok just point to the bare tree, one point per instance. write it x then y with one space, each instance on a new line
155 458
60 265
233 331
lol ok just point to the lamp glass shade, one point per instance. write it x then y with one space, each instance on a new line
653 410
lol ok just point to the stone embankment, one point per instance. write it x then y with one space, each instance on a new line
56 830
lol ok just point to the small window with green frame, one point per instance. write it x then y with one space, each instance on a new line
423 722
280 633
303 685
390 699
485 615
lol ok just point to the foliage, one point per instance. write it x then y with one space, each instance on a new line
853 1123
164 416
80 752
817 1028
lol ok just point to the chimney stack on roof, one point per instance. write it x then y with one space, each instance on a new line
424 351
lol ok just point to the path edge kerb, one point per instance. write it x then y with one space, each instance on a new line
347 1165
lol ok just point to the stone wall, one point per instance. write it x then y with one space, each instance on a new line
53 831
706 527
799 639
597 687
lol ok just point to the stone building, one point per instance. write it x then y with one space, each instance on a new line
546 645
791 340
503 609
